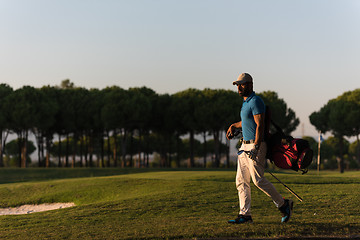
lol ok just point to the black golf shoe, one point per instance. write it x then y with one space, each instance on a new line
241 219
286 210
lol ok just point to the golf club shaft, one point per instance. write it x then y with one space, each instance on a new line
297 196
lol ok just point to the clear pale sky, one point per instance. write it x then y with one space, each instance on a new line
307 51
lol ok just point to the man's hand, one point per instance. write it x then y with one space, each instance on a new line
254 152
229 133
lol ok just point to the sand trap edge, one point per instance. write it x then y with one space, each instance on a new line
27 209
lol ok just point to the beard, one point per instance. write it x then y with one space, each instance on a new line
246 92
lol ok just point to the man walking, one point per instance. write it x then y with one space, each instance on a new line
252 154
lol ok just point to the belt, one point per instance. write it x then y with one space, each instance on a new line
249 142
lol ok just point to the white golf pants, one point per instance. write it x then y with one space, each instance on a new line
248 168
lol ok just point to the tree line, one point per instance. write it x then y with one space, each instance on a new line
341 117
114 127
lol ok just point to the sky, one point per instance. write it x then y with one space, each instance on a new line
307 51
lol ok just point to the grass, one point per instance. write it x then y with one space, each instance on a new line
119 204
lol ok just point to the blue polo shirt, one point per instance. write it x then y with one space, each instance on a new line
252 106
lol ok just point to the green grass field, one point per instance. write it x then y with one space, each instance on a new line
148 204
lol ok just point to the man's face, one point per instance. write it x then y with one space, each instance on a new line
245 89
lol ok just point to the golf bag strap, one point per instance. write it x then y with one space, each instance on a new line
277 127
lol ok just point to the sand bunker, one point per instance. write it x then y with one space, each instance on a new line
26 209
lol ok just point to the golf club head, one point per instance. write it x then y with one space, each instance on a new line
235 133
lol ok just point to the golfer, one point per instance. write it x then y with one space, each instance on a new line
251 159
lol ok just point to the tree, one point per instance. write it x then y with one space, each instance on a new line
96 125
283 116
203 113
353 115
67 84
354 155
44 127
215 112
138 109
166 125
185 103
341 117
332 152
320 119
23 116
5 91
82 130
114 115
12 152
231 109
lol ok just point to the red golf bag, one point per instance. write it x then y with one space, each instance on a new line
285 151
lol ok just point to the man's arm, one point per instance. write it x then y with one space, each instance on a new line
259 136
229 133
260 127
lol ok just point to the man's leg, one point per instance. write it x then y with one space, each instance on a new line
243 184
244 192
257 175
256 169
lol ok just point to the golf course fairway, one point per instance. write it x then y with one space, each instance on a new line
173 204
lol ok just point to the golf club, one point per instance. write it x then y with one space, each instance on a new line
297 196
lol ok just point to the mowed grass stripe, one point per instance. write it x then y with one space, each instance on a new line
180 204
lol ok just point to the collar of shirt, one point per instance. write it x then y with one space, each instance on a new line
250 97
